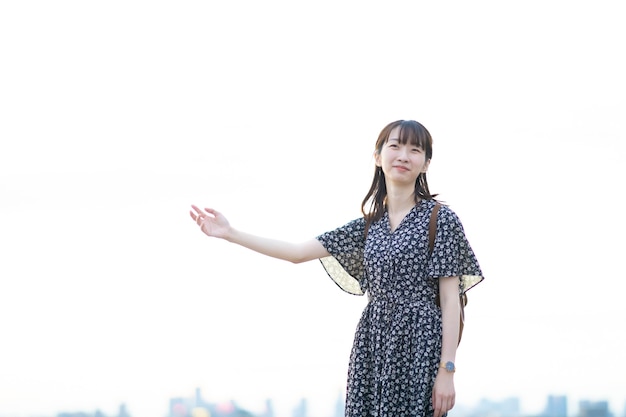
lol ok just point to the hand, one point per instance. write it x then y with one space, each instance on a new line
443 393
211 222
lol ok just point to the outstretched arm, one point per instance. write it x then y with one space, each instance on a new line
214 224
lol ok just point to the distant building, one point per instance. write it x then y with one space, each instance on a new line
80 414
340 405
301 409
197 407
121 413
269 409
556 406
509 407
594 409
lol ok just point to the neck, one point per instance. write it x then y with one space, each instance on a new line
400 199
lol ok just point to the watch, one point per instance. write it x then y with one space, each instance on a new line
448 366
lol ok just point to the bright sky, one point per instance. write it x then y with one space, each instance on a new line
117 115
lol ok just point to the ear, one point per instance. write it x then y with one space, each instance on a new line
426 165
377 158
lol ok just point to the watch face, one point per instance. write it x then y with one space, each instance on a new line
449 366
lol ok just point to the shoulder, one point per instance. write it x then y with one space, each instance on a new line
356 224
445 212
448 217
448 221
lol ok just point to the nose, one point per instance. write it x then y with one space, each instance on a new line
403 155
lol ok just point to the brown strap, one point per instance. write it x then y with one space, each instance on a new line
432 228
432 231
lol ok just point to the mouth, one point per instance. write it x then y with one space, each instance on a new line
401 168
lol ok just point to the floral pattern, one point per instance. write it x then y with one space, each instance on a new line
397 345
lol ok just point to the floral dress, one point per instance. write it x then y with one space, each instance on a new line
397 347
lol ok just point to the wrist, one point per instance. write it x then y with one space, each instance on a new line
231 235
448 366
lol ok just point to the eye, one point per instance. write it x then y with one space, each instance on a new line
417 150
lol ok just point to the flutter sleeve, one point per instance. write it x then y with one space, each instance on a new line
452 254
345 265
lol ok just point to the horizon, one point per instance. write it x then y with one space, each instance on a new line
461 409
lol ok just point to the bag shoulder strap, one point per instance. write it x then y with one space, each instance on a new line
432 231
432 228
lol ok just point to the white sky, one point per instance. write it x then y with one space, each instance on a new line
116 116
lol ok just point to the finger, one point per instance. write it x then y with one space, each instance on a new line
211 211
197 218
436 407
441 406
444 408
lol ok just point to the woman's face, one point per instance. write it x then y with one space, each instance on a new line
401 163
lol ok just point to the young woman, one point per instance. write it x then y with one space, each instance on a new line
402 360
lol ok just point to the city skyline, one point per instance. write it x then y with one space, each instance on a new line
197 405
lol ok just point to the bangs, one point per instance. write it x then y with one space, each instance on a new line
415 134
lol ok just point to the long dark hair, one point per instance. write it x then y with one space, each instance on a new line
373 206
